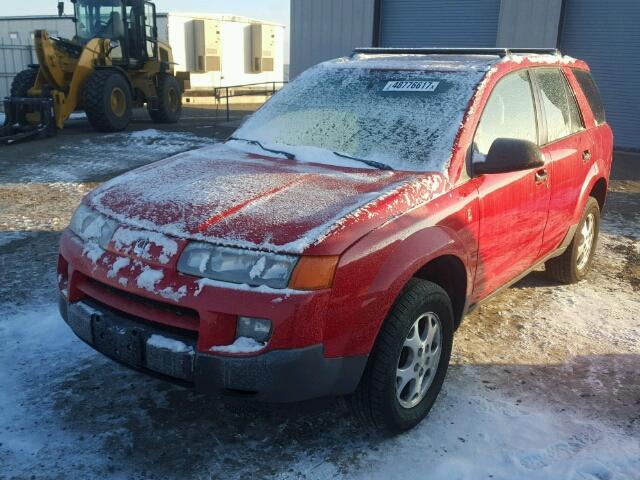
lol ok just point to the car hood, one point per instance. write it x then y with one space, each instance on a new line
225 196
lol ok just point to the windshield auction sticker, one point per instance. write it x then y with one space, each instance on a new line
407 86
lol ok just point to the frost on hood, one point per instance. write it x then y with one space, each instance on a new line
225 196
407 118
240 195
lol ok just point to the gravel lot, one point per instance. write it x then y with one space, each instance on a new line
544 380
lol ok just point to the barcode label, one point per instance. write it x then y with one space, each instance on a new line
402 86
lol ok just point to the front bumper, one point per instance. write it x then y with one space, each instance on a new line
286 375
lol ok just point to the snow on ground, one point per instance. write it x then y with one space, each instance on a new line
543 382
117 153
67 411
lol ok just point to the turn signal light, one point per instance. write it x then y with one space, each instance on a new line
314 273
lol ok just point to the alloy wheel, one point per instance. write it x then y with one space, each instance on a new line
419 360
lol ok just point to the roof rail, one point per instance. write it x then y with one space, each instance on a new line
501 52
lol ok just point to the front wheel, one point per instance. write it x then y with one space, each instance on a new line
107 101
22 83
169 106
573 265
409 361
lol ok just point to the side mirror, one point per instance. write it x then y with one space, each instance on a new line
509 155
60 9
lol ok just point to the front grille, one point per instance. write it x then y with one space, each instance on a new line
138 306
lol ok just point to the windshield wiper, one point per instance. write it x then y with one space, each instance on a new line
289 155
371 163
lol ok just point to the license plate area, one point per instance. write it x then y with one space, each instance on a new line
121 342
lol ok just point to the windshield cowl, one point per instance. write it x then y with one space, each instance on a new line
302 153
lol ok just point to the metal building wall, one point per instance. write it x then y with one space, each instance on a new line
439 23
17 53
24 27
324 29
524 23
607 36
13 59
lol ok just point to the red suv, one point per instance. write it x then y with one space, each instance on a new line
333 244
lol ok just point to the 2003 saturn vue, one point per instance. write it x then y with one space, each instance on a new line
333 244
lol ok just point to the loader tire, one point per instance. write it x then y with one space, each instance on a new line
107 101
169 100
20 87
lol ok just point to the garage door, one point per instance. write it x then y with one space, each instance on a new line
439 23
607 36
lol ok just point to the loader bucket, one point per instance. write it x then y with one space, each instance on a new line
14 130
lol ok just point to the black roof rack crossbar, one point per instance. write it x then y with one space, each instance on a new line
501 52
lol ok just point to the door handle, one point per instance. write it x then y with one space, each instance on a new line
541 175
586 155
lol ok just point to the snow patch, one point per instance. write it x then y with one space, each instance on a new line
540 58
415 61
118 265
140 242
148 278
170 344
171 294
240 345
258 268
207 282
92 251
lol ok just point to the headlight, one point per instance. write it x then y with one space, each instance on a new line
92 226
236 265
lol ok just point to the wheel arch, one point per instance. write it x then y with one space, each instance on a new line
448 271
599 191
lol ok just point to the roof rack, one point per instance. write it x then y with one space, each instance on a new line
501 52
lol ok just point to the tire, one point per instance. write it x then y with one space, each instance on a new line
169 100
376 402
20 86
107 101
573 265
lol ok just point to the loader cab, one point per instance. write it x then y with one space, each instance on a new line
130 24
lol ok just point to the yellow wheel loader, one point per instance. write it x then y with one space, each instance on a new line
113 63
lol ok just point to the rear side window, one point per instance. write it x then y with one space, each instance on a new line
590 90
559 105
509 113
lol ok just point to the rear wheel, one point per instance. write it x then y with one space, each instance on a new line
409 361
107 101
22 83
573 265
169 100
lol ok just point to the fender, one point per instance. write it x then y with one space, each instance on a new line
595 174
383 261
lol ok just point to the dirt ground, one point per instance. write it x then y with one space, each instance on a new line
544 381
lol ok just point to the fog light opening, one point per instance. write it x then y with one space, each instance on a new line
257 328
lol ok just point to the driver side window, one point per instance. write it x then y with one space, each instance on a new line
509 113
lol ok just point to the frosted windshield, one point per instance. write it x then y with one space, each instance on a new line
407 119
